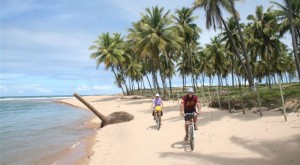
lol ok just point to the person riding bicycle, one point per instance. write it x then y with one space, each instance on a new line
188 105
157 105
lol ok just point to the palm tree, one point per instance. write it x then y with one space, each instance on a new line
109 51
217 57
189 31
183 69
289 15
119 81
214 18
225 37
263 39
133 70
167 70
153 35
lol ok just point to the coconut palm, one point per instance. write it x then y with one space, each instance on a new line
109 51
215 18
263 41
133 71
187 29
153 34
225 37
217 57
183 69
289 16
168 71
119 81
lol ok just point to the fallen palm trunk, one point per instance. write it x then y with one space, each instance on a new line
113 118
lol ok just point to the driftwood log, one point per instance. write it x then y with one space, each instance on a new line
113 118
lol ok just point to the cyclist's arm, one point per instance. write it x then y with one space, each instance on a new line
181 107
198 106
152 104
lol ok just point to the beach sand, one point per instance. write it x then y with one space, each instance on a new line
222 138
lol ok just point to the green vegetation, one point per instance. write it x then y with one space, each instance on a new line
269 98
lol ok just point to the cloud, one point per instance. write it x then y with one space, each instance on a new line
38 88
134 8
17 7
9 76
104 87
85 88
31 89
35 38
3 89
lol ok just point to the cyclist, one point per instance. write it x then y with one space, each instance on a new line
188 105
157 105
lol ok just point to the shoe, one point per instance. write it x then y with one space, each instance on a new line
186 138
195 128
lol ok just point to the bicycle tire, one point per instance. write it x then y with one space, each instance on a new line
157 121
192 138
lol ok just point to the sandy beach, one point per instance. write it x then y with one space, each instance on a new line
222 138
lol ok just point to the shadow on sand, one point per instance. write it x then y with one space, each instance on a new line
284 152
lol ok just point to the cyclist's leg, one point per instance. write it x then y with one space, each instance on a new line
153 114
186 125
159 114
195 121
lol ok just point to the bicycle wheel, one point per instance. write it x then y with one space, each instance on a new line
157 119
192 138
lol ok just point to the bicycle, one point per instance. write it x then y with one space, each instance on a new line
157 116
190 117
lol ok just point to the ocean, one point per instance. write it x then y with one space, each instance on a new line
36 130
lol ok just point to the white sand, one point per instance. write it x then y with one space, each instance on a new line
222 138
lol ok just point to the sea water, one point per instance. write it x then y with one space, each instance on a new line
35 130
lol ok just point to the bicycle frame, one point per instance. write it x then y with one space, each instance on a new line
158 119
191 126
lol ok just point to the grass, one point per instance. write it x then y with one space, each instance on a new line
269 97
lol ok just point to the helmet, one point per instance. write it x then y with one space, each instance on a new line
157 94
190 90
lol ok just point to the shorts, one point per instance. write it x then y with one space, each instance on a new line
161 112
186 118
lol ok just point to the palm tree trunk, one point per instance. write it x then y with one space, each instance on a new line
163 83
156 82
241 94
127 90
232 73
282 98
182 83
149 84
123 90
228 96
218 94
244 51
293 37
103 118
112 68
170 86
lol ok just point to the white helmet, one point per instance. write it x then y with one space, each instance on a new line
190 90
157 94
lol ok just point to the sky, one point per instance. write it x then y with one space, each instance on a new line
45 43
